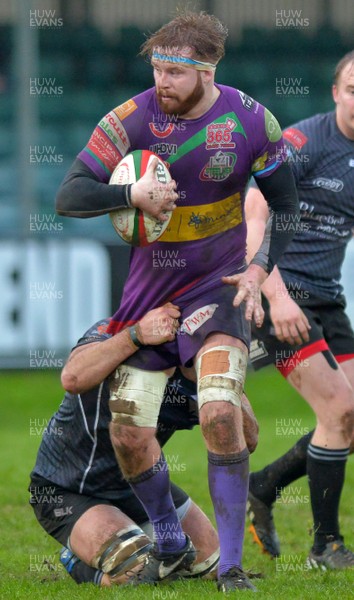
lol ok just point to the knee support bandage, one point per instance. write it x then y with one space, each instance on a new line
221 375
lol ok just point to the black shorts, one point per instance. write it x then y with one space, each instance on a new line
57 509
331 333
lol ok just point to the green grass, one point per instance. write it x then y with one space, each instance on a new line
29 566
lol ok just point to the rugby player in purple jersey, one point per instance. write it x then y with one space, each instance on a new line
214 138
306 331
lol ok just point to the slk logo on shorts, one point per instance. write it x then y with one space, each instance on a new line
63 512
198 318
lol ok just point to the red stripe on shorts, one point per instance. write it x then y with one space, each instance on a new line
183 289
343 357
285 367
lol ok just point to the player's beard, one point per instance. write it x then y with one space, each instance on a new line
178 107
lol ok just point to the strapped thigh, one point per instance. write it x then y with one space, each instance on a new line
136 396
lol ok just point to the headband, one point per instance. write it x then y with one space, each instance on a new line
198 64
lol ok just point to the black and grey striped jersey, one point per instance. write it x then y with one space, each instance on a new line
76 453
322 160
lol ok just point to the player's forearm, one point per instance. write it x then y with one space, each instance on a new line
90 364
257 215
255 234
82 195
274 287
280 193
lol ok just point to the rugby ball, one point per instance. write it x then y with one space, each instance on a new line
133 225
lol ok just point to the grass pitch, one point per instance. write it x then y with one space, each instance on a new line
29 565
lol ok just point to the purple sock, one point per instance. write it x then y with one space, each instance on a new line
152 488
228 485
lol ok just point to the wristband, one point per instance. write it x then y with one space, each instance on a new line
134 337
128 201
263 261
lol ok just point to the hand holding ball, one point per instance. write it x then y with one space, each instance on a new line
153 198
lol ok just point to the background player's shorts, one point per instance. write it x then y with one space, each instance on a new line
330 333
212 312
58 509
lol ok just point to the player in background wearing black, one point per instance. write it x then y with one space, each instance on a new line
77 490
306 332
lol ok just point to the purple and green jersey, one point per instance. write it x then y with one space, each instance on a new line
211 158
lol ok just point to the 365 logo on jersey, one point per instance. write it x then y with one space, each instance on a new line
219 135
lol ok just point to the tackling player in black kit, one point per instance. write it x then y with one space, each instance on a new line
77 490
306 332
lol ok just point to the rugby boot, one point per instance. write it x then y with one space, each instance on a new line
262 526
159 566
334 556
234 579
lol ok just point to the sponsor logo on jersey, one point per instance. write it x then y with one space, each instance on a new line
161 132
104 149
219 135
351 162
198 318
112 126
260 163
334 185
124 110
219 167
190 223
272 126
163 148
295 137
247 101
102 328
